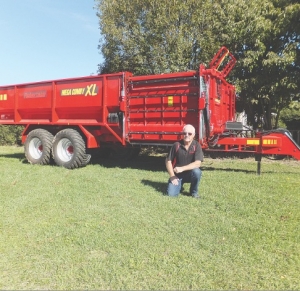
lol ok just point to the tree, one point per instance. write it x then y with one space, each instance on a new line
151 36
268 71
291 116
154 36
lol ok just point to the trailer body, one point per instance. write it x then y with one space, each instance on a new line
63 118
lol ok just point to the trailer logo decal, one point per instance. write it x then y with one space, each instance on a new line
3 97
89 90
35 94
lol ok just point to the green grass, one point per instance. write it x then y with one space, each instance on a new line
108 226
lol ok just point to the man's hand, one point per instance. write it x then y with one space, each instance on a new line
174 180
178 170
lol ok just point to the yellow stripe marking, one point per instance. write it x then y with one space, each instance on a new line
252 141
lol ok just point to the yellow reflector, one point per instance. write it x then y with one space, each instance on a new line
170 100
270 141
252 141
3 97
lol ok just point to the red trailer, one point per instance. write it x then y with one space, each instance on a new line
64 118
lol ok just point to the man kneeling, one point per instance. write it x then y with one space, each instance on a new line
183 163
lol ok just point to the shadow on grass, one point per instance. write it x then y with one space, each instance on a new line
162 187
152 163
227 170
158 186
149 163
18 156
142 162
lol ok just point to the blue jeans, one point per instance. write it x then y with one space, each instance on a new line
192 176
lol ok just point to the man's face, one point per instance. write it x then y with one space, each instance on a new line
188 134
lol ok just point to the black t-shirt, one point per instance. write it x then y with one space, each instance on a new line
183 157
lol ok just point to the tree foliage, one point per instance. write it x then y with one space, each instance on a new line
10 134
291 116
268 72
153 36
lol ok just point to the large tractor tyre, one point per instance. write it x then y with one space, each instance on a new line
68 149
38 146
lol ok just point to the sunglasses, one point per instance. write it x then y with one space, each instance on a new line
187 133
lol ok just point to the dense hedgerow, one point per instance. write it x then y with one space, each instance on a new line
10 134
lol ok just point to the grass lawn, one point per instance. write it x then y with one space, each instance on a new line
108 226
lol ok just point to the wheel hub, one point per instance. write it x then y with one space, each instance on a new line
36 148
65 149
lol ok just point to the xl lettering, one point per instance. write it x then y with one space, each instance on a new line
91 90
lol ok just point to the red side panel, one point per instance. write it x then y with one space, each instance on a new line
33 102
7 105
221 100
86 100
159 106
79 100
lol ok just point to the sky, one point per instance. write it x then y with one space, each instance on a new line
45 40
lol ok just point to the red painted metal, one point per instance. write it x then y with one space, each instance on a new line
142 110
